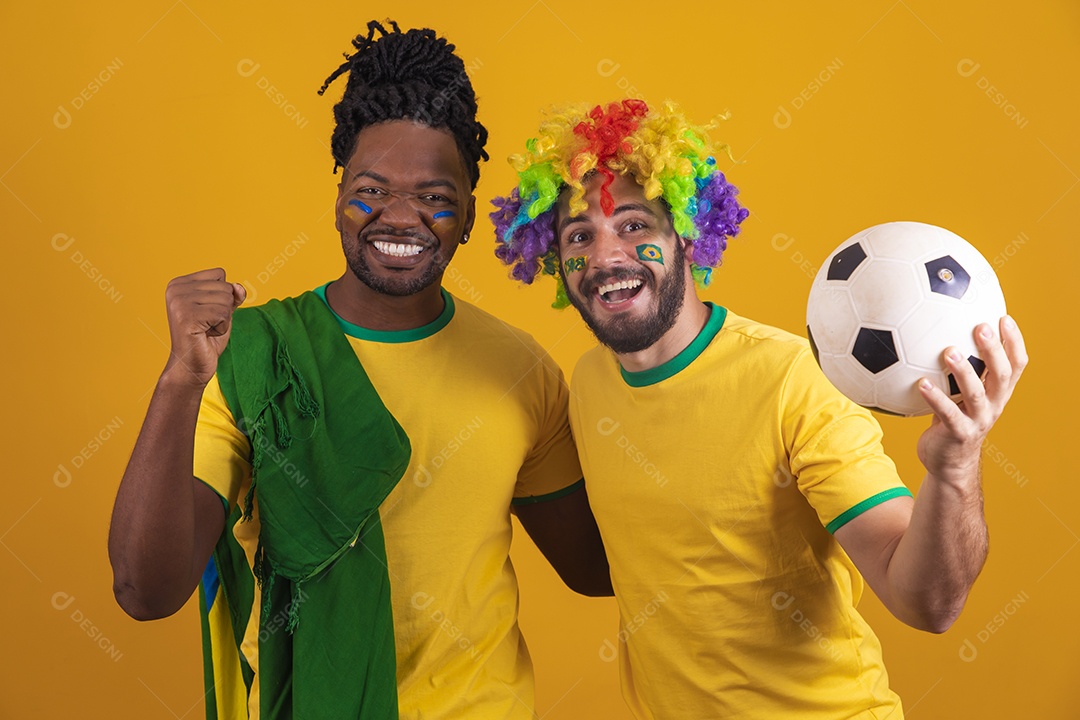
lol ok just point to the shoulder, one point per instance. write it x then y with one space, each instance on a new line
783 361
597 377
273 308
755 334
595 363
757 343
281 305
488 330
257 331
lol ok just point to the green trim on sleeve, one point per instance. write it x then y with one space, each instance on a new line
848 515
717 315
531 499
394 336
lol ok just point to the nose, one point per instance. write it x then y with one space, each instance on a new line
397 211
609 250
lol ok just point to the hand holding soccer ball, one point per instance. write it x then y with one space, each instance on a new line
908 318
888 302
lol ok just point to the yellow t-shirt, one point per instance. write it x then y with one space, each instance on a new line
713 478
485 411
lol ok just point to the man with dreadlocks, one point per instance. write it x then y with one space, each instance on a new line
741 498
367 441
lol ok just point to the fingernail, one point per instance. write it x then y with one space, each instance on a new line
955 356
986 332
924 384
1009 322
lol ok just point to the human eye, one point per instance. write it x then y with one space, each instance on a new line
576 237
371 191
633 226
435 200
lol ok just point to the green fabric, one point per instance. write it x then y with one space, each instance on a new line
325 453
851 513
533 499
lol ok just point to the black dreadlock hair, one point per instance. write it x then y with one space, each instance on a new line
413 75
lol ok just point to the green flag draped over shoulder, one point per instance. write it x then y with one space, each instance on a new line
325 453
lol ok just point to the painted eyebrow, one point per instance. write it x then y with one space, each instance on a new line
425 185
626 207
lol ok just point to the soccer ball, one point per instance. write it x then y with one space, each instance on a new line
885 305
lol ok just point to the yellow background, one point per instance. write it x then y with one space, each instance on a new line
140 144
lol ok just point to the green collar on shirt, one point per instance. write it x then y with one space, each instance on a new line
680 362
394 336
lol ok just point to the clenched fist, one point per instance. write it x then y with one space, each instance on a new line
200 308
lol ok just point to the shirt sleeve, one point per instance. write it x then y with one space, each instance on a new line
551 469
222 451
834 448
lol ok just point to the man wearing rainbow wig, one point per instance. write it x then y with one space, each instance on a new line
741 498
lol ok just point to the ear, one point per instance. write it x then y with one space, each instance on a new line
470 216
337 203
688 247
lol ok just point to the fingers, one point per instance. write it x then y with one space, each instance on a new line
945 409
1013 341
239 294
998 377
1005 359
216 274
203 302
983 400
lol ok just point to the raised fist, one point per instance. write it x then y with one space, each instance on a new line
200 308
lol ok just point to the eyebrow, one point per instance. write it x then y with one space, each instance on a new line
425 185
625 207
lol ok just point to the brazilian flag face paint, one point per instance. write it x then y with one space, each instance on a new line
575 264
650 253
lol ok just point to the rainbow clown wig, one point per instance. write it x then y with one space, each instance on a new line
668 157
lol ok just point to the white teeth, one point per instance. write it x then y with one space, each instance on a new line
398 249
621 285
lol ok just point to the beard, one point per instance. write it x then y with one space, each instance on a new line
625 334
398 283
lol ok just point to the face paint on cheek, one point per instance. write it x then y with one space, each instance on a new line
353 209
443 213
650 253
575 264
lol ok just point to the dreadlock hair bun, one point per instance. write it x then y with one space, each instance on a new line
412 75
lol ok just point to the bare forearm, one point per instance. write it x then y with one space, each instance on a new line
566 533
940 555
922 559
153 540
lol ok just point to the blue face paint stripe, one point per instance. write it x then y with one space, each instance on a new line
442 214
362 206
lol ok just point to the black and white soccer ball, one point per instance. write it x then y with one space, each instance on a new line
887 303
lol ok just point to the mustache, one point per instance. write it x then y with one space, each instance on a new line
386 231
602 277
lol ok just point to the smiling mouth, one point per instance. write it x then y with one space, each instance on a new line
616 292
397 249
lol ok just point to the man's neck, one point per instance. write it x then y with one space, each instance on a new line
358 304
691 321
